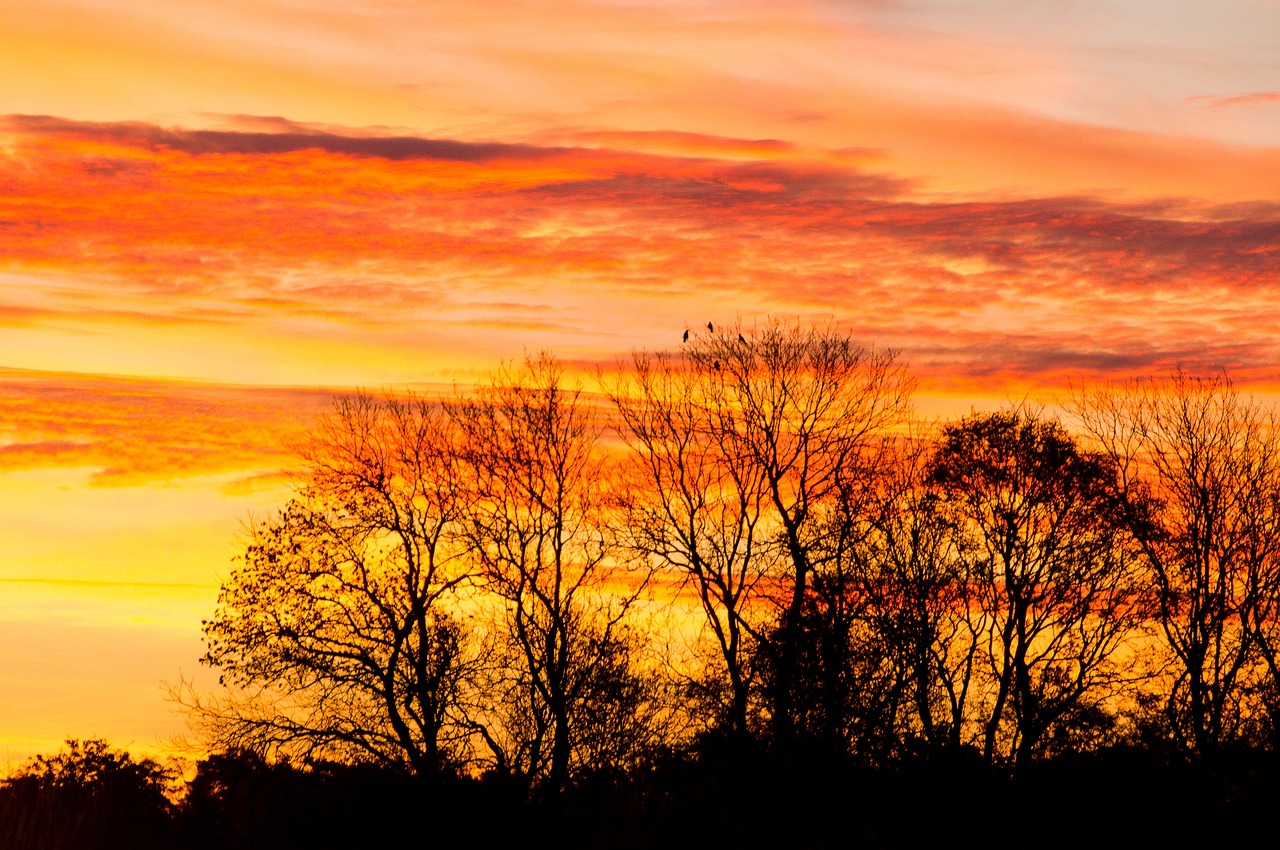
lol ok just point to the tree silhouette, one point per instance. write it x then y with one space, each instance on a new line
88 796
694 511
1200 470
541 520
805 409
917 601
747 440
454 597
334 633
444 592
1055 579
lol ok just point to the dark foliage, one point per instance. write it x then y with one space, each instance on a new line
240 800
88 796
726 791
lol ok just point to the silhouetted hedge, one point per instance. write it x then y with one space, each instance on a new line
724 792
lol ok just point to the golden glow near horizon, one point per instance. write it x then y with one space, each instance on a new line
214 216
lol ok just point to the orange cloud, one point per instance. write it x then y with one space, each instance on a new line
1219 101
132 431
352 242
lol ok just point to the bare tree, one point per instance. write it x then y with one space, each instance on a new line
1200 469
749 435
336 635
540 518
692 508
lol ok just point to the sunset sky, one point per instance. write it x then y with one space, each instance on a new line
213 216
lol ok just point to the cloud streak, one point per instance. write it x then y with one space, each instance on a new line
128 432
1248 100
298 138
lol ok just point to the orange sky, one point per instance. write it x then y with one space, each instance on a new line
212 216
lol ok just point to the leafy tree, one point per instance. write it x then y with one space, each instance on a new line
337 635
1057 593
87 796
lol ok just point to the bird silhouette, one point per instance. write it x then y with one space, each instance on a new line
742 339
686 335
715 364
710 328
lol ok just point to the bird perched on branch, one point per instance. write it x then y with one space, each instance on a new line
710 328
686 335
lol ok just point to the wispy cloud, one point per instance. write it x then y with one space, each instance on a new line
1233 101
297 138
132 431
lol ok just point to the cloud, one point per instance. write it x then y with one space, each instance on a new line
133 431
346 240
1248 100
679 143
297 138
263 482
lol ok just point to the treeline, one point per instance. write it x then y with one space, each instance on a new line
713 793
743 576
753 538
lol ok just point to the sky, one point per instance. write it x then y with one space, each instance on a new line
215 216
